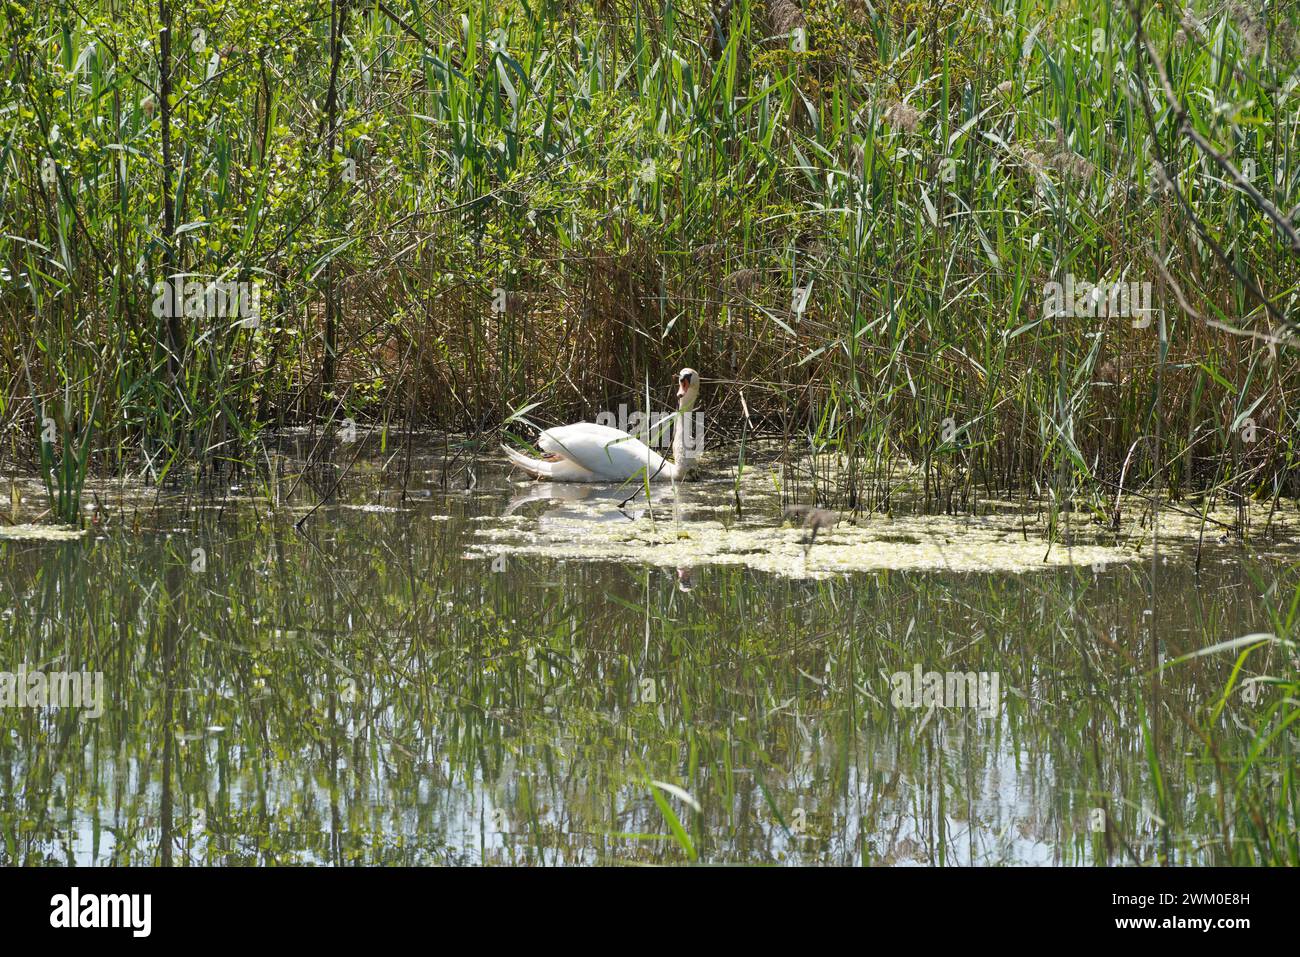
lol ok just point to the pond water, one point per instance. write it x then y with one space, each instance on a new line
485 671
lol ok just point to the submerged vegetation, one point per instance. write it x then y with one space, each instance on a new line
872 224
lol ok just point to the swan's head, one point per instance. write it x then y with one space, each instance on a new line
688 387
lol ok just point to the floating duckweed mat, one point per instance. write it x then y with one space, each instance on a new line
40 533
987 544
586 524
920 544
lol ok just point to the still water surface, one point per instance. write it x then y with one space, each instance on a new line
372 689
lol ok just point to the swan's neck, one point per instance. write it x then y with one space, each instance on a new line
681 463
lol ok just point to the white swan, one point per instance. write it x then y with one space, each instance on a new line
585 452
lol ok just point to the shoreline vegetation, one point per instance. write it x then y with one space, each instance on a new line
1039 250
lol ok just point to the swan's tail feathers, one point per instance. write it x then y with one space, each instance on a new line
537 468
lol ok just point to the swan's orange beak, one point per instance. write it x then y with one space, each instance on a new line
682 385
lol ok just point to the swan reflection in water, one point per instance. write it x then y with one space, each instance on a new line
601 503
594 503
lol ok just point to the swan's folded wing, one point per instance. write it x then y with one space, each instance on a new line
610 453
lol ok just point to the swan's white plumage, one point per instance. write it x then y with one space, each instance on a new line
586 452
609 454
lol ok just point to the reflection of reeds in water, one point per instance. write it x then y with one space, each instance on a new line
358 696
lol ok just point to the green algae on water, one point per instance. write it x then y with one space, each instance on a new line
921 543
40 533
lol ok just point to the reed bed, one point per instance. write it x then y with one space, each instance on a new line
847 214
